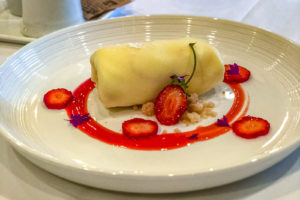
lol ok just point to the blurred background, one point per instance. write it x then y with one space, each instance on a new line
279 16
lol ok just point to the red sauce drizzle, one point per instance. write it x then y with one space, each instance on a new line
158 142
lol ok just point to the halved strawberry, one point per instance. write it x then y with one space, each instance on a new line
58 98
138 127
170 104
251 127
236 74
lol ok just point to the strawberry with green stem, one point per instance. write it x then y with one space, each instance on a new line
171 102
169 106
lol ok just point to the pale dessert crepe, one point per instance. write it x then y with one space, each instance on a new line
131 74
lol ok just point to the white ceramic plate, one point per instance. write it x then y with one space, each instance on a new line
61 59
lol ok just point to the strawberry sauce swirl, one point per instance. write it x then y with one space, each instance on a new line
158 142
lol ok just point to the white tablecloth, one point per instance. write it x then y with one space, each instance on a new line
279 16
19 179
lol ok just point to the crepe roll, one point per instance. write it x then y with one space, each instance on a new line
131 74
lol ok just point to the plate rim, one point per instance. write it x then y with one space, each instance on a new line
45 157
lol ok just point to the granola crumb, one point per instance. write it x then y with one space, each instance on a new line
148 109
211 113
177 130
197 109
164 131
203 115
135 107
186 122
190 117
209 105
194 98
223 92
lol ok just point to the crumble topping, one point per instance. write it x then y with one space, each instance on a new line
190 118
148 109
197 109
135 107
177 130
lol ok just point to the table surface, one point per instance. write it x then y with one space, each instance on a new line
20 179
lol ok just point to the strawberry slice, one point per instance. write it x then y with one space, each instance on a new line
170 104
138 127
251 127
236 74
58 98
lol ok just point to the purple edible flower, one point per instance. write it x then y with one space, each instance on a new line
222 122
234 70
179 78
194 136
77 120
